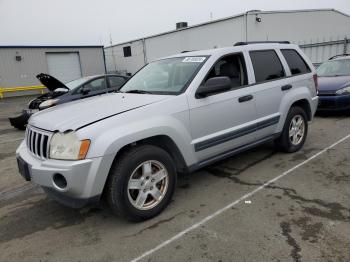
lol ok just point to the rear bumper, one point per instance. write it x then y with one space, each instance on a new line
334 103
315 103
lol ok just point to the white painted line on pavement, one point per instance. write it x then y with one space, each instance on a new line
218 212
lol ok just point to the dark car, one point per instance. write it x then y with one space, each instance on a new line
60 93
334 84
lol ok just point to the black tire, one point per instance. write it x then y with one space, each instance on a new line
117 184
283 142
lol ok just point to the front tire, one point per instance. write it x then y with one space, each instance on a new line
294 131
141 183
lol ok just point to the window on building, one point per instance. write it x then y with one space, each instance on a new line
267 66
295 62
127 51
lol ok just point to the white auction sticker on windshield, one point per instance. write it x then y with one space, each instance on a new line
194 59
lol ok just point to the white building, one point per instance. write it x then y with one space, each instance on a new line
322 33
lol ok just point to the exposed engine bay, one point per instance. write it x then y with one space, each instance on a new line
34 104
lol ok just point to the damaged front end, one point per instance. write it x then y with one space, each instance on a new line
20 122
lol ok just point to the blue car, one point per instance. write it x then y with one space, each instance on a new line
334 84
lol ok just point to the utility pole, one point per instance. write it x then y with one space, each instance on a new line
113 57
144 50
345 45
246 26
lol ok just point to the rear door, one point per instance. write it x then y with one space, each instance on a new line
224 121
271 84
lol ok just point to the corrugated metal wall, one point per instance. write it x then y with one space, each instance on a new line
300 27
321 50
22 73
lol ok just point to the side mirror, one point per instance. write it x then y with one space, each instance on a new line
214 85
85 90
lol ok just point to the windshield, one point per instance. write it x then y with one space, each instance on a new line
77 82
168 76
334 68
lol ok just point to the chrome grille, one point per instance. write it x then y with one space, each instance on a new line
38 142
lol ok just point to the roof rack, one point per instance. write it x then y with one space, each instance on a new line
261 42
338 56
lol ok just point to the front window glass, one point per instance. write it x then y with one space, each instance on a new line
96 85
75 83
168 76
334 68
115 81
232 66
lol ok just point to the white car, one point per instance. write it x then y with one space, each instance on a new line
177 114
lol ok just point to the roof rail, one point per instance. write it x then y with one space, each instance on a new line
261 42
186 51
338 56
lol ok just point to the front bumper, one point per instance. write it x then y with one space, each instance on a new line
334 103
83 184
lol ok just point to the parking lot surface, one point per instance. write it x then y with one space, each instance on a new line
261 205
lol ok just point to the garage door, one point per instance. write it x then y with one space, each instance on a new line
64 66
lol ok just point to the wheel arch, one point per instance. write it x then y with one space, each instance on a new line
162 141
305 105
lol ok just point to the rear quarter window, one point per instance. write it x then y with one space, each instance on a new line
267 66
295 62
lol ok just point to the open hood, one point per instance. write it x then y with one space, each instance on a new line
50 82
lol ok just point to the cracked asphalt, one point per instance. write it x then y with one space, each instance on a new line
304 216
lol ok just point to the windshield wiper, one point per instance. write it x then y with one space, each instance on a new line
135 91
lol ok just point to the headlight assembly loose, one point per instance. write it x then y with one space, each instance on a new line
343 91
67 146
48 103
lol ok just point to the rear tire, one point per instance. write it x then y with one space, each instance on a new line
141 183
294 132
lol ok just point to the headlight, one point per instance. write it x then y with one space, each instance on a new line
48 103
67 146
343 91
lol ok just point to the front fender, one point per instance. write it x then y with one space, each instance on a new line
109 136
108 143
169 127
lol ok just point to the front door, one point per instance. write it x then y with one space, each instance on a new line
224 121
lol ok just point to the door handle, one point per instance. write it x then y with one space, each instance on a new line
245 98
286 87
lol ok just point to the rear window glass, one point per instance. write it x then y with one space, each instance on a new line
295 62
267 66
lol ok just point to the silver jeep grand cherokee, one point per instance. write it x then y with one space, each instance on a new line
177 114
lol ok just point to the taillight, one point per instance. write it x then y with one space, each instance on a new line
315 77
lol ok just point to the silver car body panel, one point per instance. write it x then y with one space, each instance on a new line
200 128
